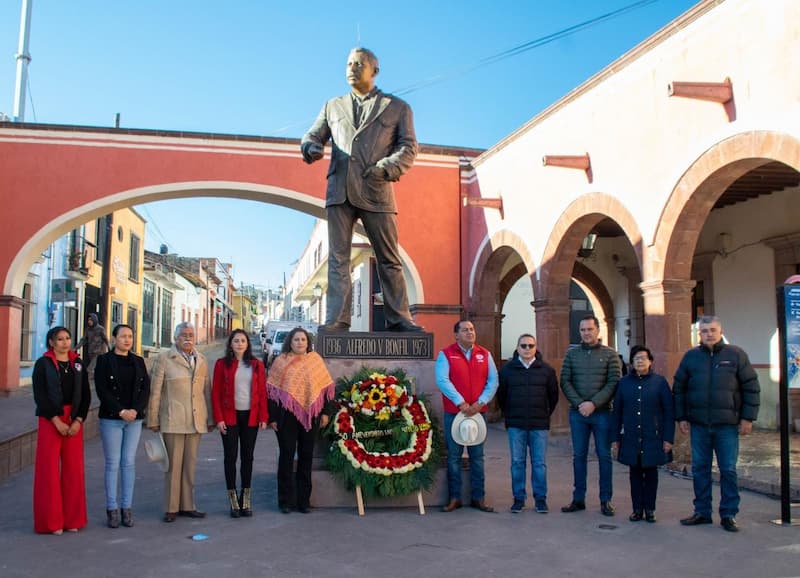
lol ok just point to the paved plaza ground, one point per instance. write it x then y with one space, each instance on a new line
394 542
398 541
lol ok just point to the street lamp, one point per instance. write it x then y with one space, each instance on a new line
317 291
587 246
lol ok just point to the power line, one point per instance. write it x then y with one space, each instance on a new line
30 97
152 221
516 50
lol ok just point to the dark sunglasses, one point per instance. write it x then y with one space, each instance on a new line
527 345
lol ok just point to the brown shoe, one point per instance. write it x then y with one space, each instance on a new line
481 505
170 517
191 513
335 327
452 505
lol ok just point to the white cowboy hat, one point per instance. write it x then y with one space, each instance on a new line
468 430
156 451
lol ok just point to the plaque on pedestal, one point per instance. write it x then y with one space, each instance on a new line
375 345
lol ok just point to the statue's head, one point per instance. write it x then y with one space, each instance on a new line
362 68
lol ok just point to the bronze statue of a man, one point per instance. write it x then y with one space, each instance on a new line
373 144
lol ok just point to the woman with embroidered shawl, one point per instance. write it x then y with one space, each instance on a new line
298 387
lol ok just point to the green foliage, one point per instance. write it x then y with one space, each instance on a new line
372 484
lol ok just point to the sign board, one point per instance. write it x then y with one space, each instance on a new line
792 331
788 298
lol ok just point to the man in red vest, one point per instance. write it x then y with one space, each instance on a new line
467 377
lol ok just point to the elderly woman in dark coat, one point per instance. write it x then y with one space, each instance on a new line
643 430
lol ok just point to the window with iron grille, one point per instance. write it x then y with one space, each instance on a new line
116 313
133 272
166 318
148 312
133 321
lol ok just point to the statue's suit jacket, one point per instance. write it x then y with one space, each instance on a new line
386 139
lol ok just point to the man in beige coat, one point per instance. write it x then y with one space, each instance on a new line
180 391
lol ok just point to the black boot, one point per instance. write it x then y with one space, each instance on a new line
113 518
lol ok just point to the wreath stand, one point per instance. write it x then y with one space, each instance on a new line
360 502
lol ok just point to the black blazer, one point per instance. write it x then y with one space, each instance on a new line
47 392
110 391
386 139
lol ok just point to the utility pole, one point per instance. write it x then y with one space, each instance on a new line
23 60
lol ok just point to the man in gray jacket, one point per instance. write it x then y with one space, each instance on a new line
589 377
374 144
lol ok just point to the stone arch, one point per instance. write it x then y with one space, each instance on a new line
558 268
565 239
695 193
490 280
487 267
668 281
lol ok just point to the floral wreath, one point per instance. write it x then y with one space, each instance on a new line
382 437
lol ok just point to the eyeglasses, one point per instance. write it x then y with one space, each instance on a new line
641 358
527 345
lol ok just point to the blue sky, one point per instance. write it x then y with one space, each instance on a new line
265 67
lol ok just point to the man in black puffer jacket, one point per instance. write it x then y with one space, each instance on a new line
716 390
528 394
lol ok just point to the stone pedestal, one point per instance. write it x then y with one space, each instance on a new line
374 350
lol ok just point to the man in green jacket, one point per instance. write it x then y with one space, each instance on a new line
589 377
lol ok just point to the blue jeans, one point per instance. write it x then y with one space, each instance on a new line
519 441
722 440
454 453
120 440
582 428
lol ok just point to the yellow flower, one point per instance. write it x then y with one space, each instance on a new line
376 395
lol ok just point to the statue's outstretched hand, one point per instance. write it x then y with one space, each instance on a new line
311 152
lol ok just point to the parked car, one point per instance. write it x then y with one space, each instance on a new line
276 334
